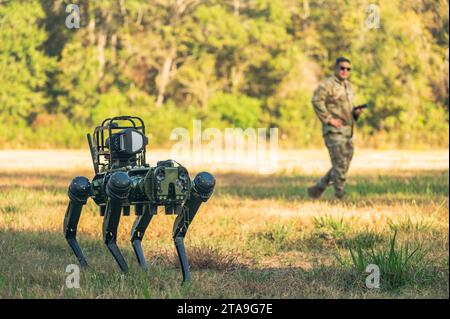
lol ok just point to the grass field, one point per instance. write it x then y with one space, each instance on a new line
258 237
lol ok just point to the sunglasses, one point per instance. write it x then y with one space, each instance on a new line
345 69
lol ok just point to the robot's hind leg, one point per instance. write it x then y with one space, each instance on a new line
117 189
203 187
137 233
79 191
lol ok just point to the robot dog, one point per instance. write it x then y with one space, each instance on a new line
124 179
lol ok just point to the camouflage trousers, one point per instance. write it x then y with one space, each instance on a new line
341 149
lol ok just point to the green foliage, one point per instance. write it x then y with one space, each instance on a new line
109 104
235 111
162 121
409 226
398 263
78 82
229 63
23 64
330 226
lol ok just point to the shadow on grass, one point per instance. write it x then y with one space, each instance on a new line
33 265
15 245
57 181
37 261
405 185
331 281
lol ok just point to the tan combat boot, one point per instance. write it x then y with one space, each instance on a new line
315 191
341 195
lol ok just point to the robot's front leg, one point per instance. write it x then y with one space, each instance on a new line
138 230
203 187
117 189
79 191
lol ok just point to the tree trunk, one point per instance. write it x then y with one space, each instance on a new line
113 48
164 76
236 5
101 43
123 11
91 29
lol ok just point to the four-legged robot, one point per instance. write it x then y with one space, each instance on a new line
123 179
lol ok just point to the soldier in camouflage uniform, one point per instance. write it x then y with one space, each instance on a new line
333 104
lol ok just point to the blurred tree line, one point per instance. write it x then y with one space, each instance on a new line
230 63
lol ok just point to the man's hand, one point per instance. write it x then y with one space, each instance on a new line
337 123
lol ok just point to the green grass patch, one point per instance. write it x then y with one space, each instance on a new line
399 263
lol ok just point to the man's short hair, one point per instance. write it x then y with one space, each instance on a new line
341 59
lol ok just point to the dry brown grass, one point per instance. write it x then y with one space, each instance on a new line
259 236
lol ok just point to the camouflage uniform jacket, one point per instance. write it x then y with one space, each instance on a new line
334 99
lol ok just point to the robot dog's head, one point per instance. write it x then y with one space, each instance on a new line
126 143
118 142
